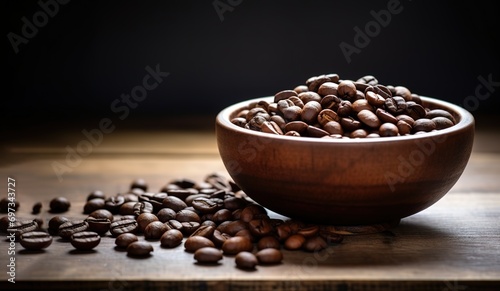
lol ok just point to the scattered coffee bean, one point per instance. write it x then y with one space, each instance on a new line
171 238
294 242
85 240
99 225
155 230
67 229
59 204
20 227
246 260
194 243
234 245
144 219
96 194
93 205
208 255
36 208
55 222
123 226
35 240
139 249
269 256
124 239
314 244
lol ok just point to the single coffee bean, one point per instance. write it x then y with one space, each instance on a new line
388 129
139 183
187 215
260 227
310 112
361 104
206 205
85 240
114 203
442 122
359 133
142 207
374 99
35 240
440 113
395 105
67 229
314 244
236 244
246 260
285 94
128 208
144 219
174 203
20 227
166 214
36 208
139 249
346 90
208 255
182 194
252 211
205 231
268 242
269 256
314 131
271 127
218 238
403 92
233 203
222 215
55 222
406 118
403 127
174 224
123 226
368 79
350 124
415 110
93 205
385 116
102 213
344 108
309 231
99 225
423 124
232 227
59 204
171 238
208 222
292 113
294 242
328 88
246 233
123 240
333 127
155 230
188 227
314 83
369 118
194 243
298 126
96 194
301 88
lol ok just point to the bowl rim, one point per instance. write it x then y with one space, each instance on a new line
466 120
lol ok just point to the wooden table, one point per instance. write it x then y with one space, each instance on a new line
453 245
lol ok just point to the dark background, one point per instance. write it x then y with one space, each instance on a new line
90 53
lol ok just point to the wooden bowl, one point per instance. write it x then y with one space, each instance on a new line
346 181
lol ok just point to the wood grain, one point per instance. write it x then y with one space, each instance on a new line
453 245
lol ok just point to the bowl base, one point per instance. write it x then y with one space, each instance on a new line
359 229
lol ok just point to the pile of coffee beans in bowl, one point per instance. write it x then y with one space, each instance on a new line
328 107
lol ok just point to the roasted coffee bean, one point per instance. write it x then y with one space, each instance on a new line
114 203
166 214
139 249
314 83
232 227
395 105
344 108
171 238
55 222
237 244
222 215
67 229
310 112
182 194
403 92
330 102
415 110
96 194
359 133
246 233
333 127
292 113
350 124
442 122
85 240
309 230
36 208
190 198
93 205
102 213
368 79
440 113
294 242
188 227
268 242
209 222
361 104
139 183
314 244
374 99
142 207
127 208
252 211
406 119
123 240
208 255
269 256
369 118
260 227
403 127
309 96
301 88
206 205
187 215
174 203
346 90
155 230
314 131
271 127
327 115
388 129
296 101
246 260
144 219
285 94
194 243
205 231
59 204
328 88
35 240
123 226
174 224
219 238
423 124
233 203
99 225
19 227
385 116
297 126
